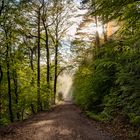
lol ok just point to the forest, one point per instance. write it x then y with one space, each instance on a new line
30 34
35 48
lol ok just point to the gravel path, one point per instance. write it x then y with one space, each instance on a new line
64 122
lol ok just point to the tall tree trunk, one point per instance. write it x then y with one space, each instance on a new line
32 65
39 105
32 81
104 32
47 45
104 28
31 59
97 33
56 66
9 84
48 62
48 58
47 52
16 92
97 38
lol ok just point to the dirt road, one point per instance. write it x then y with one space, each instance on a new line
64 122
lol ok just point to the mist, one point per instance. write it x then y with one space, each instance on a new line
65 86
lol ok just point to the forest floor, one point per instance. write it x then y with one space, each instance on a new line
62 122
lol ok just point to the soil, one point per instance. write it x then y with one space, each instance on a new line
63 122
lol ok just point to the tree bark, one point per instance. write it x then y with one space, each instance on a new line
47 45
48 58
97 38
31 59
45 25
47 53
32 81
39 106
32 108
56 64
16 92
104 28
104 32
32 65
9 84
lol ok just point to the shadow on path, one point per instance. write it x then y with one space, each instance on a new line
63 122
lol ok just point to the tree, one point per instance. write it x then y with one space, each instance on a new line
38 61
45 22
56 32
7 30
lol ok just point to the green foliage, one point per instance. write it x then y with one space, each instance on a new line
111 87
134 119
4 121
27 42
83 88
110 84
97 117
18 56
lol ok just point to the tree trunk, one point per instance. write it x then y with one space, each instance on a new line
39 107
31 60
9 85
97 38
16 92
97 34
47 48
32 108
32 81
104 28
47 54
104 33
48 58
55 77
32 65
48 63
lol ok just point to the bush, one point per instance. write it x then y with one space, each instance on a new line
110 84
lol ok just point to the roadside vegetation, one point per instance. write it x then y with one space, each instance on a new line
107 87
